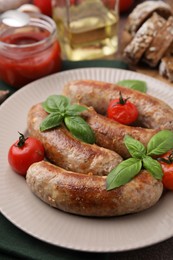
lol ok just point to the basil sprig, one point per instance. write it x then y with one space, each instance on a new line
139 85
79 128
118 176
61 111
159 144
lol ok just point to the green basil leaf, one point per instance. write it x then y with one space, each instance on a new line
123 173
153 166
79 129
135 148
134 84
74 110
52 120
160 143
56 103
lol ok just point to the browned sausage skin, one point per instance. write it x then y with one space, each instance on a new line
66 151
87 195
152 111
110 134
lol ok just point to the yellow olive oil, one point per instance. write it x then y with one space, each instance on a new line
87 31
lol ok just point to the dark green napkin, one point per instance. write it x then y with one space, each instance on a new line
67 65
14 243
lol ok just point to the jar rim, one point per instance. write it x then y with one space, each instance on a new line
38 19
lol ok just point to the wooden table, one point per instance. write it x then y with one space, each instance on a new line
144 69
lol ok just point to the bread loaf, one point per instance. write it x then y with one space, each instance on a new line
160 44
150 30
145 10
134 51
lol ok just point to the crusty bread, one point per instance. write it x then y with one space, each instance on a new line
160 44
134 51
166 67
143 11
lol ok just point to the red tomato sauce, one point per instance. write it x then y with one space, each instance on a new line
31 63
25 38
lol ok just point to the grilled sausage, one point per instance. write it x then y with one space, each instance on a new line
110 134
87 195
152 111
66 151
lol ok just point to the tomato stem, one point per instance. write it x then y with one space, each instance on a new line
122 100
167 160
22 140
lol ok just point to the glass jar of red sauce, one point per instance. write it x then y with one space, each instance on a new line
30 52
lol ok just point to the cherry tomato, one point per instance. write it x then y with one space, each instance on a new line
25 152
166 161
122 111
45 6
124 5
109 3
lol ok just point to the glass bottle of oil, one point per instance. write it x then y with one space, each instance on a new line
87 29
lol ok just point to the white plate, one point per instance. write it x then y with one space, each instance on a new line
36 218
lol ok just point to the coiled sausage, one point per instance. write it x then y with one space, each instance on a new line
87 195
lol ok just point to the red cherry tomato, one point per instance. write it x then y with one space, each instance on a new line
166 161
122 111
45 6
124 5
25 152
